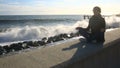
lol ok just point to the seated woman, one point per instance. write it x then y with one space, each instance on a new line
96 28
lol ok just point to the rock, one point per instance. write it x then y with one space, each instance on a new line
32 43
24 45
41 43
65 36
44 39
35 44
50 40
7 49
73 35
16 47
57 38
1 50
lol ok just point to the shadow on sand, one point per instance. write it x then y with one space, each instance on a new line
83 50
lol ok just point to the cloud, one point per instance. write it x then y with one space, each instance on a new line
19 9
56 7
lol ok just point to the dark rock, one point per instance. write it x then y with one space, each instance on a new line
72 35
24 45
65 36
35 44
1 50
44 39
16 47
25 42
32 43
41 43
50 40
7 49
57 38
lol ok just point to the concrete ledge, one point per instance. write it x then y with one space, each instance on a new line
72 54
107 57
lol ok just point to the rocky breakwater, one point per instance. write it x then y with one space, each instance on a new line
14 47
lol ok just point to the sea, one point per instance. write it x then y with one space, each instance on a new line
16 28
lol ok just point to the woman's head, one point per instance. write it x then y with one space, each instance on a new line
96 10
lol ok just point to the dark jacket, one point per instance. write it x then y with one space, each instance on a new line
96 23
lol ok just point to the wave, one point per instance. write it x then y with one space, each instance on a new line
38 32
4 29
33 33
112 22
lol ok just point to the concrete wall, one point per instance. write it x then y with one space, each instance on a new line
108 57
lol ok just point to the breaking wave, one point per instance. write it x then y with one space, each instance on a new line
38 32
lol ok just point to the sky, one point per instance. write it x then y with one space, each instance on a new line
57 7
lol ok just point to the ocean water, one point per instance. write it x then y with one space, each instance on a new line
34 27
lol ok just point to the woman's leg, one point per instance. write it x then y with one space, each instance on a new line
85 34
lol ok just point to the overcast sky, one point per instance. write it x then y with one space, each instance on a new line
45 7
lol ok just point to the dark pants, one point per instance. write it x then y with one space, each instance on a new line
98 36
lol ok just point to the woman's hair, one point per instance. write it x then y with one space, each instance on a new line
96 8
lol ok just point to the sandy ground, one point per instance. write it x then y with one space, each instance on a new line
51 56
